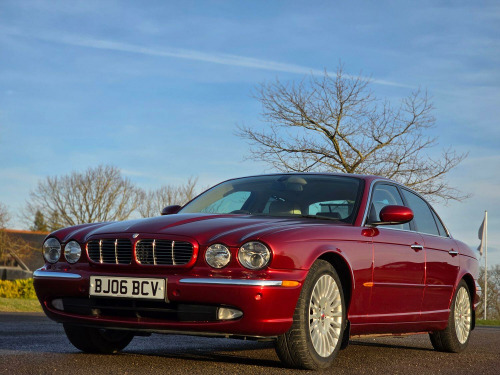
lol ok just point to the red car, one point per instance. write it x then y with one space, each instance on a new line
306 260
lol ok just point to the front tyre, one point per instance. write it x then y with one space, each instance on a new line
455 337
315 337
97 340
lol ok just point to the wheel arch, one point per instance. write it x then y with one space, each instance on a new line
469 280
344 271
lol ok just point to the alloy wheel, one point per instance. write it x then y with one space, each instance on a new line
462 315
325 315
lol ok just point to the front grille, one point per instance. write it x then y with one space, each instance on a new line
110 251
163 252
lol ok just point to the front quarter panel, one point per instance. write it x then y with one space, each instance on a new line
299 249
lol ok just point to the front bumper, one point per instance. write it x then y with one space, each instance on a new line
267 304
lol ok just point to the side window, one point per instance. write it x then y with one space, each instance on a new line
385 195
229 203
442 230
423 216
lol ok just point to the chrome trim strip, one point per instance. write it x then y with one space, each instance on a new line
217 281
58 275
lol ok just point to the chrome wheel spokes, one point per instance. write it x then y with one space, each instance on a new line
462 315
325 315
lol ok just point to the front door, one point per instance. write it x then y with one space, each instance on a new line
398 264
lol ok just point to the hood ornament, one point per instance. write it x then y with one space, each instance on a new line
135 235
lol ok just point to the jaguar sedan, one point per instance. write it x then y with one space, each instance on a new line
305 260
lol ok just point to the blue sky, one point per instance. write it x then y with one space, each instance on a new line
156 88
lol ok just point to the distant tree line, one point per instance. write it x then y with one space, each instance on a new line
96 195
493 302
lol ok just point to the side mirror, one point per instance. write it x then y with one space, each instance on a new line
170 210
390 215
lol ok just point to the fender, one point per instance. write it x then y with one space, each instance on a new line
339 260
76 232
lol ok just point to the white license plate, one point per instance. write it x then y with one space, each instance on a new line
128 287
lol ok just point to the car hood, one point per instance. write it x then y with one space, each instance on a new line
232 230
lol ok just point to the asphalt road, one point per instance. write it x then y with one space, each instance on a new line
32 344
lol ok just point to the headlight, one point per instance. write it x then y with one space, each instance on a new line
51 250
254 255
72 251
217 256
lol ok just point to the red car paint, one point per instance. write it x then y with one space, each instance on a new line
396 280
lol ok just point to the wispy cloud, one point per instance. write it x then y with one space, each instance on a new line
210 57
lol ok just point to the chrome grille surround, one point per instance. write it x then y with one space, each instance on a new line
163 252
110 251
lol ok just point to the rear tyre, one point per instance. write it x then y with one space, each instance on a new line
455 337
97 340
318 325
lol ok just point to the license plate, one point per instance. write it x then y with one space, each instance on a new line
128 287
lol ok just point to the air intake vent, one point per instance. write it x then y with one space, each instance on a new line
110 251
163 252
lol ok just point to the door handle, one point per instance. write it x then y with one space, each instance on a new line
417 247
453 252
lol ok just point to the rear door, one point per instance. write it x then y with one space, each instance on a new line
442 262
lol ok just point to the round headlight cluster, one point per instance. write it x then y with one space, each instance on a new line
52 250
72 251
254 255
217 256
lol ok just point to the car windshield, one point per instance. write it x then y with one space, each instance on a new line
292 195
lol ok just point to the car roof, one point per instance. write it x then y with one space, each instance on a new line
365 177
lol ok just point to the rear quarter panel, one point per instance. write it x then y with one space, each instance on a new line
469 270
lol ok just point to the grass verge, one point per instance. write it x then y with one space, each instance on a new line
481 322
19 305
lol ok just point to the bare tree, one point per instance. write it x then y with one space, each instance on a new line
167 195
336 124
4 216
98 194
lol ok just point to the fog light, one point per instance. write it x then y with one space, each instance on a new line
224 313
58 304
